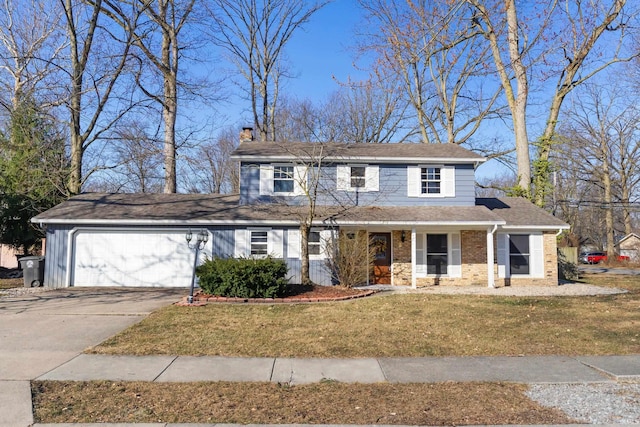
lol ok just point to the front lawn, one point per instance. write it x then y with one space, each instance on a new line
397 326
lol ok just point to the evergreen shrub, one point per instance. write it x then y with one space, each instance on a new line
243 277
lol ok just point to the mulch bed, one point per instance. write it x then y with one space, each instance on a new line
295 294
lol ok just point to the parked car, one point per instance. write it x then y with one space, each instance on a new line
598 257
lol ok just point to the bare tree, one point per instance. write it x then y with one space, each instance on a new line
255 33
98 57
139 158
30 42
158 37
601 156
437 54
585 23
522 50
210 168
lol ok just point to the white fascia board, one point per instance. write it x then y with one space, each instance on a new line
536 227
422 223
160 222
368 159
98 222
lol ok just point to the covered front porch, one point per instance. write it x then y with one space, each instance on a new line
489 256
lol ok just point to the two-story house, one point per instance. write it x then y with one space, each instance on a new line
416 202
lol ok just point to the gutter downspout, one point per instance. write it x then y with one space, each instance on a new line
491 281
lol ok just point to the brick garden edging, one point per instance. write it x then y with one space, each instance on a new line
201 300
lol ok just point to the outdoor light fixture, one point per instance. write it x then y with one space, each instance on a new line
201 239
403 236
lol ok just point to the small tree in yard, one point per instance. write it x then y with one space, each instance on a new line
350 258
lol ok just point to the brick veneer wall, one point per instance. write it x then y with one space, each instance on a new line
474 266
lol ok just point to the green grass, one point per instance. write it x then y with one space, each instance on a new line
397 326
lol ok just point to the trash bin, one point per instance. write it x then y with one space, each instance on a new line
32 270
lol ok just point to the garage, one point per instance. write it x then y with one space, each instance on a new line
139 258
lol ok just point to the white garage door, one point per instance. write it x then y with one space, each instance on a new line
132 258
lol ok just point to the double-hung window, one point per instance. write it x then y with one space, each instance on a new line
258 243
437 250
430 180
283 179
435 181
358 178
358 174
314 242
519 254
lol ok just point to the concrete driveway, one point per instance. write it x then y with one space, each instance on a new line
39 332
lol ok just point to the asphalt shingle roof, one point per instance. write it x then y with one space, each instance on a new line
519 212
409 152
96 208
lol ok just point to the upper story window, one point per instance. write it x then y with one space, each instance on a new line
283 179
360 178
430 180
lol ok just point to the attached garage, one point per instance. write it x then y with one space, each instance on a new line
129 257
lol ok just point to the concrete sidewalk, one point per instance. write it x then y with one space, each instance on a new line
528 369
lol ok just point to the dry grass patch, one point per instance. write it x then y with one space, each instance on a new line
11 283
397 326
266 403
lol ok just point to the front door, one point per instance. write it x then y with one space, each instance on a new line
381 247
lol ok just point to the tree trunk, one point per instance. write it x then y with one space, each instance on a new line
305 277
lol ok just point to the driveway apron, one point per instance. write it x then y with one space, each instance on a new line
39 332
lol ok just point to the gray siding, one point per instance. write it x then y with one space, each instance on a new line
393 188
55 264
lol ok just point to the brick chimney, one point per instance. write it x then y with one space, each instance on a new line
246 135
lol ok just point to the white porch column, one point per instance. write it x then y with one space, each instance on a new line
413 258
490 256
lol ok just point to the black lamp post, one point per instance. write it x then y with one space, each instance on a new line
201 239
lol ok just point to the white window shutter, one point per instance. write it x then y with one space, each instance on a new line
241 238
372 178
536 255
413 181
455 265
503 255
421 259
300 180
293 244
343 177
448 176
266 180
275 239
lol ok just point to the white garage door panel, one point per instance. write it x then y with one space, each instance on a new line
110 258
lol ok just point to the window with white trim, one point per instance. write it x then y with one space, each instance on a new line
430 180
259 243
360 178
283 179
358 174
519 254
437 254
314 242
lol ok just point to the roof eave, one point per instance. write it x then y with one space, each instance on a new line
375 159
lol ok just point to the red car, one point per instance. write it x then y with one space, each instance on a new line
598 257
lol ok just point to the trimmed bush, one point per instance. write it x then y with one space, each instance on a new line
243 277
